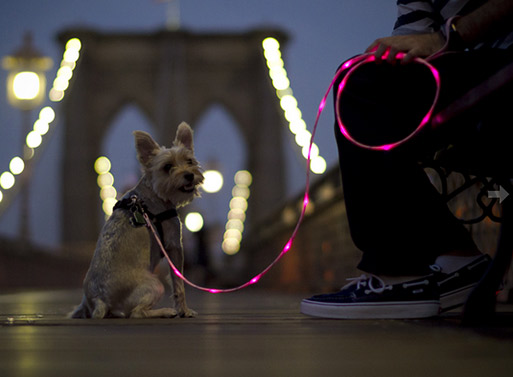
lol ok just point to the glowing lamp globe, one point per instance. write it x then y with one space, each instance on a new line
26 82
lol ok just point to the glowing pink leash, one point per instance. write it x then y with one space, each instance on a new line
351 65
348 66
255 279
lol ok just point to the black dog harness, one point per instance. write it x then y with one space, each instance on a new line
137 208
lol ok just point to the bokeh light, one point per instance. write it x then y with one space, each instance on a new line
105 179
243 178
34 139
47 114
16 166
102 165
194 221
41 127
26 85
318 164
7 180
213 181
231 246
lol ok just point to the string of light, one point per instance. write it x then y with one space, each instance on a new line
289 105
41 126
237 215
105 181
65 73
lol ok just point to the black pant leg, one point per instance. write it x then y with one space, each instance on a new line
396 216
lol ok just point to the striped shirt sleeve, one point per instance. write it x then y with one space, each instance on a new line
428 16
416 17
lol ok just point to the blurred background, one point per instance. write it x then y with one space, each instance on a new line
317 37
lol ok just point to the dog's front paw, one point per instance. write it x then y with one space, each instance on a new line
169 313
188 313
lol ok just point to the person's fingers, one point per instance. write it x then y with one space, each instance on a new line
392 53
373 46
380 51
408 58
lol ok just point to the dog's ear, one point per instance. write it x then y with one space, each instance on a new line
184 136
145 146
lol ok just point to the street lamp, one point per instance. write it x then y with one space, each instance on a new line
26 81
26 86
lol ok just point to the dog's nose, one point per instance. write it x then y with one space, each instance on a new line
189 177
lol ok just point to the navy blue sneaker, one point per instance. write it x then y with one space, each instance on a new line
368 297
457 286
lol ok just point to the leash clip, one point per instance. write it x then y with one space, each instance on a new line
137 210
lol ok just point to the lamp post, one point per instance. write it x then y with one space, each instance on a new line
26 87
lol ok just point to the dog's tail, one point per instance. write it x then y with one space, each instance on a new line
81 311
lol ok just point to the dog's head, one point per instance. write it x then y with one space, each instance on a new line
174 173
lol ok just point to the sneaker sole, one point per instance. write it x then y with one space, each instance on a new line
386 310
454 299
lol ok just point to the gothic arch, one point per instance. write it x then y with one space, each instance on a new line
118 108
117 139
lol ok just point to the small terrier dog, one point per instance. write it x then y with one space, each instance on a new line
121 281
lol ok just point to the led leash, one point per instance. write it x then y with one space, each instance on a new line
348 67
255 279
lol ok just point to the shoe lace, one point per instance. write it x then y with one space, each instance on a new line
435 268
367 281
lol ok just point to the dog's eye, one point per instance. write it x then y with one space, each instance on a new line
168 167
190 161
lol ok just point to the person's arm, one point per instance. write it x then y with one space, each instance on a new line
484 23
487 22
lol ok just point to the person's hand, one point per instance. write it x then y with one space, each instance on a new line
413 46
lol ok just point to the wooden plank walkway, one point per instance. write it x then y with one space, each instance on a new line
249 333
